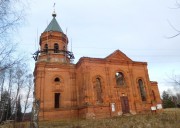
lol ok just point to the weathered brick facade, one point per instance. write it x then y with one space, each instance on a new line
92 88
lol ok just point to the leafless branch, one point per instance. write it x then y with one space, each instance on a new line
29 85
177 4
178 32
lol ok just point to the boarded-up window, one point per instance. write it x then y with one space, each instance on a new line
99 90
142 90
57 100
56 48
120 78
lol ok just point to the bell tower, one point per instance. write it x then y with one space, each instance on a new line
54 74
54 44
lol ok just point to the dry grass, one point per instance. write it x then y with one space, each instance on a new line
169 118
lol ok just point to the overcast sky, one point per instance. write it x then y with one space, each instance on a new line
97 28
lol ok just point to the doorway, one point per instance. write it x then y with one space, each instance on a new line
125 104
56 100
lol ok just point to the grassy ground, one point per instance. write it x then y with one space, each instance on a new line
169 118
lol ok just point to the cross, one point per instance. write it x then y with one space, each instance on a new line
54 6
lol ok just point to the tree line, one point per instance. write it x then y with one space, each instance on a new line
171 97
16 79
16 90
170 100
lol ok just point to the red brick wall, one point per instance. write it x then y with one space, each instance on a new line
77 84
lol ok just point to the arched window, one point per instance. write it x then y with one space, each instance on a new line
56 48
153 94
99 90
46 48
120 78
57 79
142 90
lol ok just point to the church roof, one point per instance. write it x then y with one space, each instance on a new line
118 55
53 25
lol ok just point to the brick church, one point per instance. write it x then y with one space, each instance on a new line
91 88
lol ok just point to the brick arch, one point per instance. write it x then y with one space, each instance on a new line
141 79
46 47
98 90
57 86
56 47
124 74
144 88
98 76
57 76
137 79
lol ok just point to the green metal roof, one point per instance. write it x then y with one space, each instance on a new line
53 26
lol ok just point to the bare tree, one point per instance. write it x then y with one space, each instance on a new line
175 79
12 14
6 84
175 29
29 90
6 56
19 80
9 82
2 80
18 114
177 6
10 79
5 106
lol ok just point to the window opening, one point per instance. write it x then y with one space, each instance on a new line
56 100
99 90
154 97
142 90
56 48
57 79
119 78
46 48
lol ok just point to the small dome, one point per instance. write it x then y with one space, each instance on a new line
54 14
